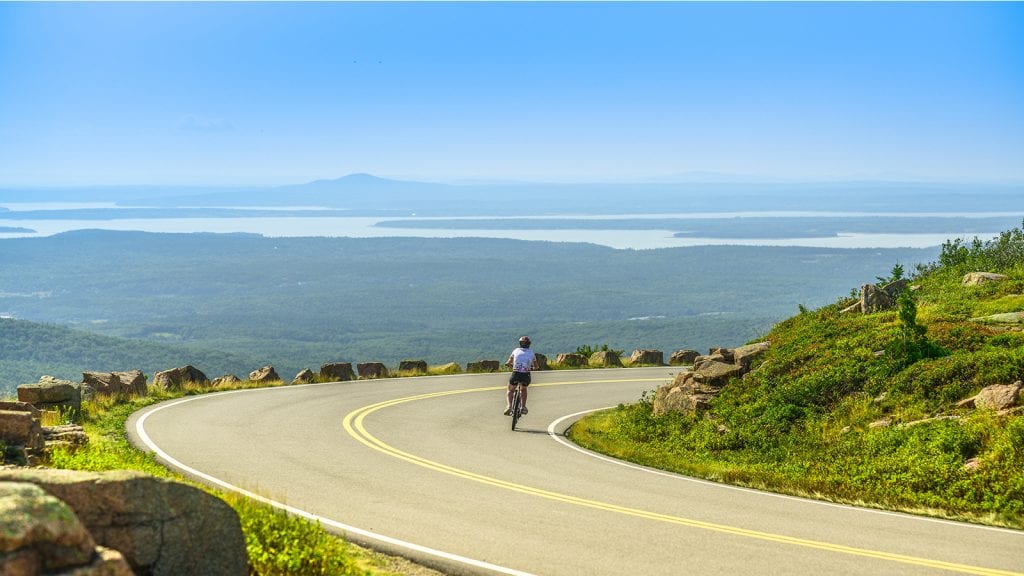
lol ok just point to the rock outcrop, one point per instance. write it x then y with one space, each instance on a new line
683 357
161 527
996 397
876 299
372 370
647 358
178 378
264 374
52 394
304 377
40 535
132 382
542 361
977 278
483 366
693 390
1006 318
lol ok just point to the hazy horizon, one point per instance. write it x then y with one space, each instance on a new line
270 94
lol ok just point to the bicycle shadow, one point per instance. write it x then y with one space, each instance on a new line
535 431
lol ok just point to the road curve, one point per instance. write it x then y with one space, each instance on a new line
428 468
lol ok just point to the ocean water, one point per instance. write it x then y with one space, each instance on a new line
363 227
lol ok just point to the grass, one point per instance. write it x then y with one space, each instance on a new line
802 423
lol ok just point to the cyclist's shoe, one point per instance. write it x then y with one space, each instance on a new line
507 412
525 411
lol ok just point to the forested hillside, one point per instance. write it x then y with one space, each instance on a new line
29 350
299 302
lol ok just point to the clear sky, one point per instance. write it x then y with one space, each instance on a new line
267 93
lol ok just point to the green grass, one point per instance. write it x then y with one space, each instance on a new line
800 424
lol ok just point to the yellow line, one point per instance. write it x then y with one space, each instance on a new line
354 425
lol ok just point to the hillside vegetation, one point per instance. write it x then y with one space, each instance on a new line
29 350
829 411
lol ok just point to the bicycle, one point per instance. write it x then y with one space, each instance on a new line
516 407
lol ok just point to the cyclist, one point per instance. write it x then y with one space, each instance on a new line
521 361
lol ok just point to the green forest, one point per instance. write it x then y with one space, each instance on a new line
234 302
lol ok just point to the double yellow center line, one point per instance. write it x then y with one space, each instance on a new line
354 424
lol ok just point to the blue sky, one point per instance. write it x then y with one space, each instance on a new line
267 93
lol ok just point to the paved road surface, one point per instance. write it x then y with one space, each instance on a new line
428 467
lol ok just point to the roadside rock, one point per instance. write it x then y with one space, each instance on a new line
67 436
977 278
161 527
605 359
449 368
114 383
647 358
21 407
39 534
483 366
683 357
413 366
571 360
225 380
542 361
21 428
177 378
52 394
337 372
304 377
264 374
372 370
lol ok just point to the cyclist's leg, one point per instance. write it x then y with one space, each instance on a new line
526 387
508 395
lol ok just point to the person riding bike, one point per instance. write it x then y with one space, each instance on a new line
521 360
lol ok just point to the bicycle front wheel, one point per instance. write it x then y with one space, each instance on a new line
517 407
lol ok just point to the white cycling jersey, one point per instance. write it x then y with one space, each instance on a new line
522 359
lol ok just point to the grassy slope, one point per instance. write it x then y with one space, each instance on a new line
801 423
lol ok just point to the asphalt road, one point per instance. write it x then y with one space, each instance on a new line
428 468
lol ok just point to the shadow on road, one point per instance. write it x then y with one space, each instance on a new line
531 431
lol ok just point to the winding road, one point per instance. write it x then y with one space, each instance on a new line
428 468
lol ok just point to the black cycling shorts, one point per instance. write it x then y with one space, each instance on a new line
520 378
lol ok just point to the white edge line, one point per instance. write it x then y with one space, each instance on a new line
144 437
556 437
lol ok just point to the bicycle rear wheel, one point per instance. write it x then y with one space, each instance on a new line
517 406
